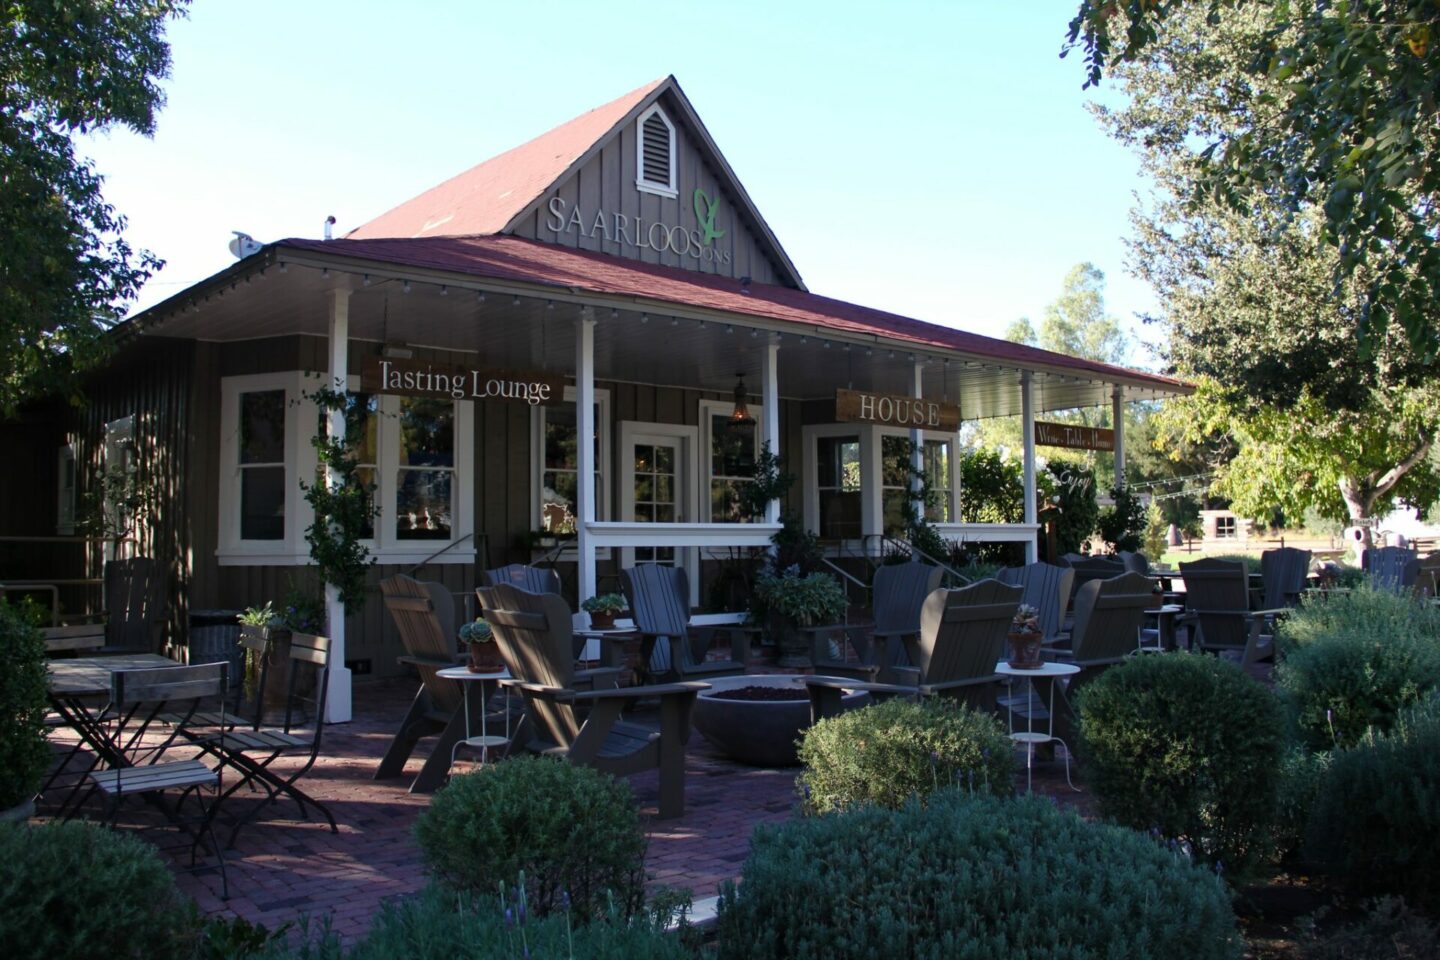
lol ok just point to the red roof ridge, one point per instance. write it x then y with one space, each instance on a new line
483 199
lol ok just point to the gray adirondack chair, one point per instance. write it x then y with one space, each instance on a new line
1283 572
671 648
534 634
1217 609
527 578
961 638
1092 568
1392 568
1045 587
899 591
1135 562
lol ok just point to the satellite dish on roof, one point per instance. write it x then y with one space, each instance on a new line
244 245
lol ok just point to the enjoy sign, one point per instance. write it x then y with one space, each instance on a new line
421 378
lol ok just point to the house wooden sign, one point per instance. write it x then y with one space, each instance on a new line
1073 437
896 411
422 378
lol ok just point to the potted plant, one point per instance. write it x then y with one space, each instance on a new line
793 602
24 754
302 613
1025 638
1157 595
603 609
484 651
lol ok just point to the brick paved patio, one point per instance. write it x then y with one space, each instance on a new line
283 868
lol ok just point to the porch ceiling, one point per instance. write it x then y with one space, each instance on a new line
519 326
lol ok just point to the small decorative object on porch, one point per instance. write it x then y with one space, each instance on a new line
484 652
603 609
794 602
1025 638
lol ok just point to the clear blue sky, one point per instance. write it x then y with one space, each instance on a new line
933 159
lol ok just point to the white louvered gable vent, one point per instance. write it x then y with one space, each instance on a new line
655 153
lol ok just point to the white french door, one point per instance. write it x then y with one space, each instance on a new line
657 485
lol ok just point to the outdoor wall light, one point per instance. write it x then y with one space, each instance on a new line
740 417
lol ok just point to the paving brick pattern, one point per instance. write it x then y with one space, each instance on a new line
284 868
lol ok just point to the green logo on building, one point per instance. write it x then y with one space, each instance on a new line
705 211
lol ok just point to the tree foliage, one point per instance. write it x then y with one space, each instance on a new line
1335 112
68 67
1320 418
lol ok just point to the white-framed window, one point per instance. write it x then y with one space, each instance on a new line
417 452
655 153
727 458
554 468
1226 527
939 466
67 490
834 471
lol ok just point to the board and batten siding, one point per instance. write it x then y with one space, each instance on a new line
606 183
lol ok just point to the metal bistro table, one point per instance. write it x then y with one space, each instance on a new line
72 683
485 741
1048 673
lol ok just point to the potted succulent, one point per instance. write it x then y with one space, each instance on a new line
484 651
1026 638
793 602
603 609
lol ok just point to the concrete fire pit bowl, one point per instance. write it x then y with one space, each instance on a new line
761 733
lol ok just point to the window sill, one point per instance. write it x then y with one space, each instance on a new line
463 553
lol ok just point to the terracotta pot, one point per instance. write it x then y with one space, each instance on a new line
1157 600
485 657
1025 650
602 620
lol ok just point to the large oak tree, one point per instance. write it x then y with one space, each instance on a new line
68 67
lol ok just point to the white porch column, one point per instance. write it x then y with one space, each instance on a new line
1117 406
1027 430
585 449
337 702
770 400
917 444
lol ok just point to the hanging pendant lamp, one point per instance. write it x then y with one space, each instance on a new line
740 417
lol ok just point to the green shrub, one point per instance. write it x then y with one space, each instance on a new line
77 890
1375 822
1390 930
1252 562
887 753
1302 776
24 755
1353 661
970 877
1187 745
445 925
570 830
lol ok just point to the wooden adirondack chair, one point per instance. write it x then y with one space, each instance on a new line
527 578
534 634
899 591
1283 572
1427 581
1092 568
671 647
1135 562
961 637
1392 568
1045 587
1217 608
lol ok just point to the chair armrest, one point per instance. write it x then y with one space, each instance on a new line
889 634
929 688
437 663
1277 612
840 683
652 690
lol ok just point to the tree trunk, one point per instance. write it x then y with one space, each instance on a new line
1358 504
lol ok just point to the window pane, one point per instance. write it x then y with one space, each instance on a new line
560 453
725 501
427 432
894 470
894 506
262 427
262 503
732 448
839 462
423 507
366 476
557 502
839 515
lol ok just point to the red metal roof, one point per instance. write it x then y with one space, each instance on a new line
529 261
485 198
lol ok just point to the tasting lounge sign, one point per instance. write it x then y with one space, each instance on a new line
421 378
895 411
1073 437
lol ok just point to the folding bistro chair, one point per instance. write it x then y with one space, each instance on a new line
137 767
251 750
